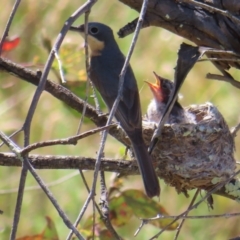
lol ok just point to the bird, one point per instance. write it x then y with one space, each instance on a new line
106 62
161 93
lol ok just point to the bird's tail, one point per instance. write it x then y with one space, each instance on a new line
145 164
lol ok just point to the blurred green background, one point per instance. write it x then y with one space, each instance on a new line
156 50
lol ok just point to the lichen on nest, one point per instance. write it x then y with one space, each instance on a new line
194 155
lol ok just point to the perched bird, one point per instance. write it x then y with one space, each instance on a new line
161 92
106 62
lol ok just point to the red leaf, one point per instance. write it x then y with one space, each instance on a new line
10 44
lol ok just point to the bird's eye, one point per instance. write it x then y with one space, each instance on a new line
94 30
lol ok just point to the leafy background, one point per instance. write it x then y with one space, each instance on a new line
156 50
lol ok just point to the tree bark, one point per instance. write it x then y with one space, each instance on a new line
201 26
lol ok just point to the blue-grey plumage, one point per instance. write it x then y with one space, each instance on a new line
106 62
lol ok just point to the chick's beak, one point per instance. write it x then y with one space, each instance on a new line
158 80
153 86
156 88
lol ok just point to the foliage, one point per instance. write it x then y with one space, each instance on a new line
156 50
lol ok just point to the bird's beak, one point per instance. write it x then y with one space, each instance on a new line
151 85
158 80
155 87
156 90
77 29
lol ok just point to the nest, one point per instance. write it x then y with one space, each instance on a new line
194 155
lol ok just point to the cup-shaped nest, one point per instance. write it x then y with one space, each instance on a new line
196 155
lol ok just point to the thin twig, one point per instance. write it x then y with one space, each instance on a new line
54 202
183 220
95 204
41 86
15 149
207 50
105 206
113 110
88 189
64 141
235 130
18 206
230 80
219 60
210 192
10 19
63 80
87 68
124 167
37 187
27 124
61 93
224 215
12 135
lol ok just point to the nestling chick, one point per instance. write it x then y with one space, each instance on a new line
161 92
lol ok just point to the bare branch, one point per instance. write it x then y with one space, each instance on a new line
235 130
124 167
66 141
29 167
61 93
184 217
217 29
230 80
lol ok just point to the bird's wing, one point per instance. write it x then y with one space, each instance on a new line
107 83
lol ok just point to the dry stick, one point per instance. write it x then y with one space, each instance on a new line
183 220
235 130
84 109
219 60
87 68
27 123
106 218
16 149
85 7
18 206
10 19
105 206
225 215
207 50
22 181
76 162
232 81
105 221
63 80
56 90
64 141
37 187
87 93
113 110
88 189
24 173
213 9
145 221
214 189
12 135
98 209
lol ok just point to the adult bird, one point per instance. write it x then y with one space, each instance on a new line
106 62
161 93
